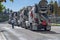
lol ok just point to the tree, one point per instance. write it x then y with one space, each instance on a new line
2 0
51 6
3 17
11 0
1 7
51 2
6 0
55 7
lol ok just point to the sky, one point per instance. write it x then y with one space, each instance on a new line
19 4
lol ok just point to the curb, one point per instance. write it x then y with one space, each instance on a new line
2 37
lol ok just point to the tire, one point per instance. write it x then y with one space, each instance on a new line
31 29
23 24
47 29
30 26
26 27
18 25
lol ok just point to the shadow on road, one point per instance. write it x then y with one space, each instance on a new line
3 30
4 22
39 31
47 32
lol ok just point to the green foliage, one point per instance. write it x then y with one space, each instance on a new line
6 0
55 7
51 2
1 7
11 0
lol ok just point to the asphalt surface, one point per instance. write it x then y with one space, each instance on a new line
19 33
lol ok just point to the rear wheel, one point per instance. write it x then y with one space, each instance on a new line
26 27
31 26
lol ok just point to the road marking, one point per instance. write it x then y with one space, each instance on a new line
18 27
49 36
21 38
53 39
2 36
16 34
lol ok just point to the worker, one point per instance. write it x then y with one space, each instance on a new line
13 21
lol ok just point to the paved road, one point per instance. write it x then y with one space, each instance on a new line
23 34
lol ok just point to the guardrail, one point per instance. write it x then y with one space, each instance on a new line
55 20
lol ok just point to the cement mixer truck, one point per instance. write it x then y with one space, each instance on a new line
38 18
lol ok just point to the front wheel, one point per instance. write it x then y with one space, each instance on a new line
47 28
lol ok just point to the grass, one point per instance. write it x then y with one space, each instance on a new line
54 24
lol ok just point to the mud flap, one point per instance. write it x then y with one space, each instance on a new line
34 27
